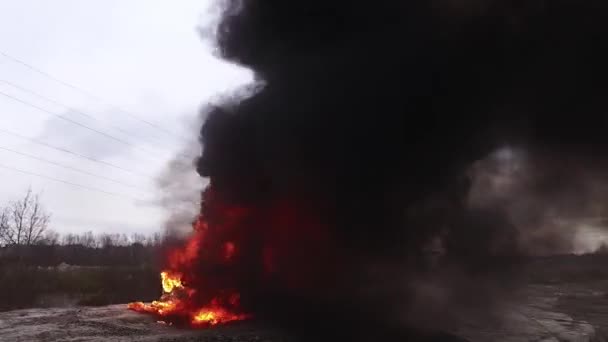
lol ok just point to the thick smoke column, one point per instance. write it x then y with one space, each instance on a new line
353 153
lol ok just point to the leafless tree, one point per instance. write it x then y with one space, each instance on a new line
106 240
87 239
24 221
122 240
4 226
138 238
49 238
69 239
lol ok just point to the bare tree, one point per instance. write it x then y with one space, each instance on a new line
87 239
154 240
122 240
106 240
138 238
5 234
49 238
24 221
69 239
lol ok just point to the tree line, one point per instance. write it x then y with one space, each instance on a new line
25 238
25 222
102 240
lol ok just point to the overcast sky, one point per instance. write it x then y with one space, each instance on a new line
141 71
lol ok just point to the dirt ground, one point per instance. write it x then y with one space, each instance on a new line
564 300
113 323
543 318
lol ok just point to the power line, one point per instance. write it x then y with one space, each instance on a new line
71 109
65 118
42 143
87 93
62 117
69 183
69 167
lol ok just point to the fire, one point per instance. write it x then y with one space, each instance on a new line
175 302
182 296
159 307
206 316
170 282
215 316
233 247
184 256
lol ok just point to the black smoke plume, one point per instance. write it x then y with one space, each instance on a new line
353 153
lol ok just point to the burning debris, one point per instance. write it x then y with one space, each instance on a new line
174 304
182 300
200 282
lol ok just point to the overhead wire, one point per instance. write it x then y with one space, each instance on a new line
70 108
70 183
74 122
88 93
82 156
70 168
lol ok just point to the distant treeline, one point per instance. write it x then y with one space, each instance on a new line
42 268
86 249
40 255
25 234
81 269
88 239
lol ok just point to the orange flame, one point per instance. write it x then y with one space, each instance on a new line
213 316
181 300
184 256
170 282
172 302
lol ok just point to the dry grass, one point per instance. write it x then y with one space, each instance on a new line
31 286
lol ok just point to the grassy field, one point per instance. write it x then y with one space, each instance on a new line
33 286
30 286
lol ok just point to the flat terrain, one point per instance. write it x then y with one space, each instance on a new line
541 319
113 323
566 299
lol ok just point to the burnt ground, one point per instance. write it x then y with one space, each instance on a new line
565 299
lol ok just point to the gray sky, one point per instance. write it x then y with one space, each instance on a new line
142 56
